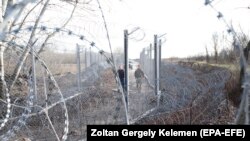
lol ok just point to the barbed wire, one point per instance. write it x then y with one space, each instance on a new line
44 28
184 90
8 103
23 119
242 64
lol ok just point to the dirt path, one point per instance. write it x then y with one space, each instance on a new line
140 102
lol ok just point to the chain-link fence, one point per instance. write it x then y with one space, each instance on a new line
53 94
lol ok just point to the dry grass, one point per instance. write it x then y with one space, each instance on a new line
208 106
60 69
233 87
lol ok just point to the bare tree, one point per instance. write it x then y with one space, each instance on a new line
9 10
31 41
215 40
245 42
207 55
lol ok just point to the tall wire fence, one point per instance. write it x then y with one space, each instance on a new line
81 87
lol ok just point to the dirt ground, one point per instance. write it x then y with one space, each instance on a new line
189 95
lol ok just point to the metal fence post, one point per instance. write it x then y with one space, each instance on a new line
90 56
98 57
150 61
159 71
34 71
78 61
143 59
146 59
156 69
86 59
1 70
156 53
126 68
160 44
95 57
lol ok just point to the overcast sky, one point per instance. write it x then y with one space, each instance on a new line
188 24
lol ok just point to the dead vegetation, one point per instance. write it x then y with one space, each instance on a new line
195 94
191 94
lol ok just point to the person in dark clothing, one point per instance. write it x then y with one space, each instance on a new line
121 74
139 75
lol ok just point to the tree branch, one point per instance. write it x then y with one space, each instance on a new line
53 33
27 49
